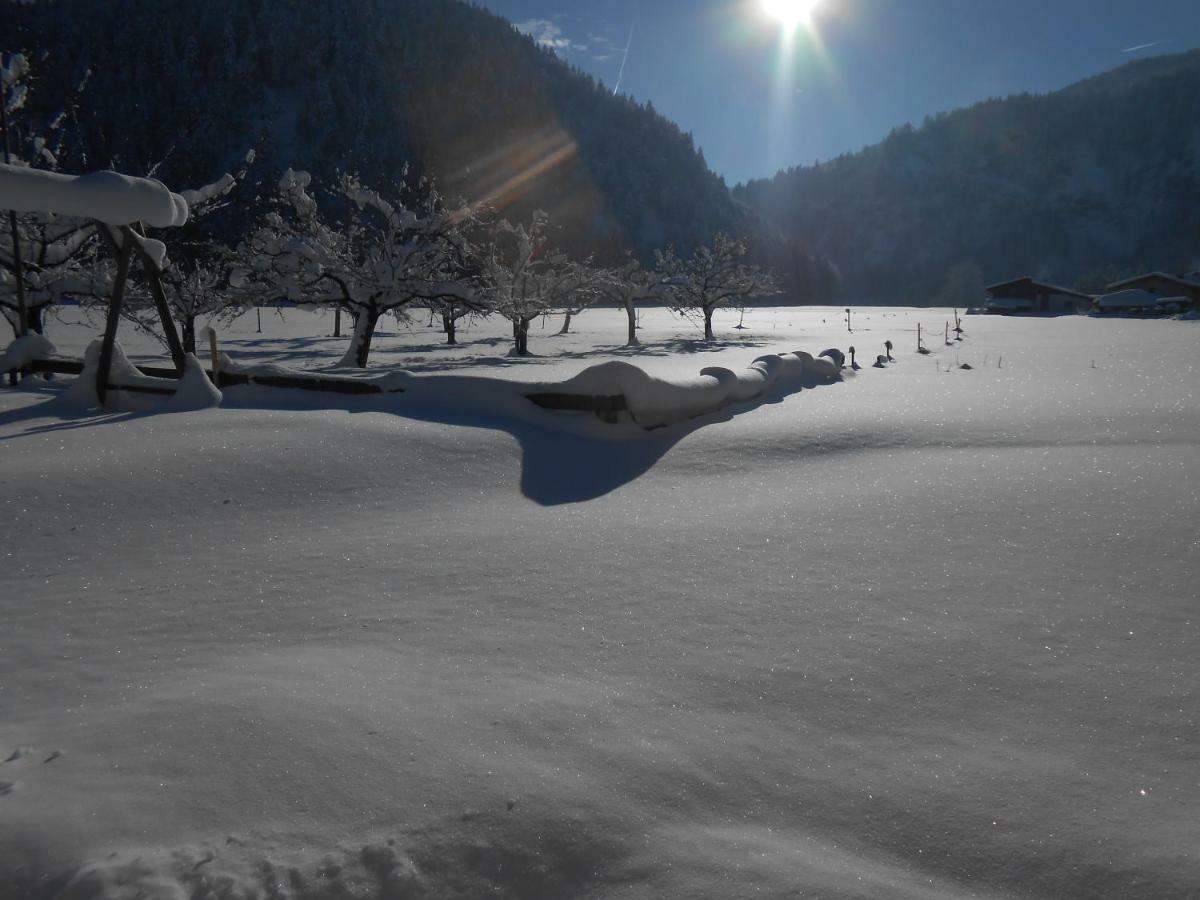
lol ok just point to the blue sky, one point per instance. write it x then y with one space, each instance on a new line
719 67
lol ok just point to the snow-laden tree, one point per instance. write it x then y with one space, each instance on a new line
387 255
522 277
44 257
591 290
712 278
194 289
632 284
200 281
58 260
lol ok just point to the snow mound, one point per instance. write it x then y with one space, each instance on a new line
25 350
105 196
82 392
495 853
196 390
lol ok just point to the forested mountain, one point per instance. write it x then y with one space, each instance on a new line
1077 186
368 87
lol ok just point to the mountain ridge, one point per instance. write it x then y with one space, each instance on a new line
1077 185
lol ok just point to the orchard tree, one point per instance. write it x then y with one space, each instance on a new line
387 255
521 277
714 277
632 284
202 278
43 256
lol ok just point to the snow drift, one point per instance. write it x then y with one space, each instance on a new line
192 391
25 350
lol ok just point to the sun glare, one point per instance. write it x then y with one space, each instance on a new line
790 13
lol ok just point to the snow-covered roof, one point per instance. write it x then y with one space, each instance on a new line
104 196
1039 286
1129 298
1187 280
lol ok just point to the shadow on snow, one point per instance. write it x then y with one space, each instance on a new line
559 465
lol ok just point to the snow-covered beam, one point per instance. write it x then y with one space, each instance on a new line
107 197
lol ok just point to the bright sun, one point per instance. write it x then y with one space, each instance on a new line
790 13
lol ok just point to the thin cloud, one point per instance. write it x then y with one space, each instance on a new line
548 34
1142 47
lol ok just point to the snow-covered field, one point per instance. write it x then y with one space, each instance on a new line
918 633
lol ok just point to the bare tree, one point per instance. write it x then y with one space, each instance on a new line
714 277
522 277
632 284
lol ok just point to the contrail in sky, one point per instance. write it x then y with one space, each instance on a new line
624 58
1142 46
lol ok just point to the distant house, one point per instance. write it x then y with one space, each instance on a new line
1026 295
1162 284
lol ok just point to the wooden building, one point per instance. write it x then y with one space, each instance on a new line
1163 285
1027 295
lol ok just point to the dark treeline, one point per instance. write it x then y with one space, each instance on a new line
369 87
1077 187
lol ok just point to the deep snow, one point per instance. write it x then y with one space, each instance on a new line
917 633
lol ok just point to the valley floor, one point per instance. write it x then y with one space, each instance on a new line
925 632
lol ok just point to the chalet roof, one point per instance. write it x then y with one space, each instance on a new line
1037 287
1192 280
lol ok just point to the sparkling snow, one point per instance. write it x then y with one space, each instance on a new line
925 632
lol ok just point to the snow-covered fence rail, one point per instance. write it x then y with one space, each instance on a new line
613 388
335 384
606 407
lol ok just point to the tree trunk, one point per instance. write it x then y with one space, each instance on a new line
35 319
521 336
449 326
337 321
566 326
708 331
360 343
189 334
631 312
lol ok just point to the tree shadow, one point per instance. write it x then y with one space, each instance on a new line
69 418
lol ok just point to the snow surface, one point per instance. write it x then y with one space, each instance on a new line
104 196
918 632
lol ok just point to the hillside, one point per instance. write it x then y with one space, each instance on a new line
454 91
1075 186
